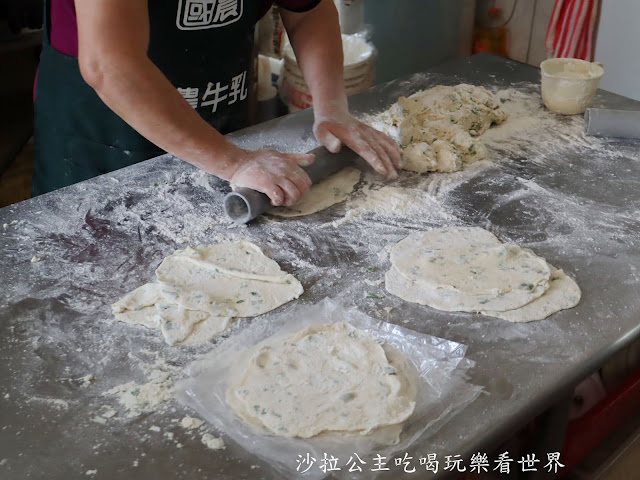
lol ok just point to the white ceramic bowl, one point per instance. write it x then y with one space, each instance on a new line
569 85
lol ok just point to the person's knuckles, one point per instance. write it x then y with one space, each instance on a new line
384 158
276 197
292 194
302 176
302 183
376 164
396 156
303 160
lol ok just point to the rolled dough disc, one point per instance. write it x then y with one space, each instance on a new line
466 268
234 277
201 289
563 293
330 377
324 194
469 270
413 290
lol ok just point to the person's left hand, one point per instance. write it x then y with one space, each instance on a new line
377 148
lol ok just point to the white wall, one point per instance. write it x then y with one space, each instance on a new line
519 27
527 28
542 15
618 47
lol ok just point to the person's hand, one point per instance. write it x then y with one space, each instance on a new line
276 174
377 148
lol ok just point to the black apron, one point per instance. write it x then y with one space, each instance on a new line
204 48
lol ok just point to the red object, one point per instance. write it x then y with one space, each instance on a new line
571 31
494 12
586 433
479 47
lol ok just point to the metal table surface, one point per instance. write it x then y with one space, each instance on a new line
104 237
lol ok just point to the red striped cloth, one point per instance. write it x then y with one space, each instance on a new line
571 32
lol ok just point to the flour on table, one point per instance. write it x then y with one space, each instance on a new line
324 194
214 443
330 377
437 128
470 270
189 423
199 290
56 403
139 398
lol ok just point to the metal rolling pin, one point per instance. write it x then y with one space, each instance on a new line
602 122
244 204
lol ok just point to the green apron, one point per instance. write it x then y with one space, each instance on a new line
203 47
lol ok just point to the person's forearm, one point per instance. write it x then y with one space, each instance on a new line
316 40
135 89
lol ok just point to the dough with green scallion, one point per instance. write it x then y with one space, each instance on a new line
201 289
469 270
325 378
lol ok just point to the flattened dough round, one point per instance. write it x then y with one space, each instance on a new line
330 377
322 195
563 293
201 289
224 277
413 290
471 262
470 270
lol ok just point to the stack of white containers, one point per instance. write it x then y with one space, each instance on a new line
359 73
359 57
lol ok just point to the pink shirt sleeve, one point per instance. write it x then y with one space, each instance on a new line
63 29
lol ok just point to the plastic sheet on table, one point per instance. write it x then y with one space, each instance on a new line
439 365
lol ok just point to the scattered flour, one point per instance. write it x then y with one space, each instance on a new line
212 442
86 380
390 201
56 403
189 423
142 398
108 413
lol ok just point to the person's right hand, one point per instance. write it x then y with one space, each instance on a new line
276 174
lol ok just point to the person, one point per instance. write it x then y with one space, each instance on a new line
121 81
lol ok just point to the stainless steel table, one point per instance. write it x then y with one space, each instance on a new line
104 237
